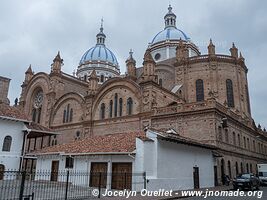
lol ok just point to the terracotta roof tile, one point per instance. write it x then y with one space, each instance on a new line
121 142
38 127
12 112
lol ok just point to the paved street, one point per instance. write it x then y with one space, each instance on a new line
261 193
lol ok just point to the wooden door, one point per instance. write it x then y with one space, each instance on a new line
196 177
54 170
98 175
2 170
121 176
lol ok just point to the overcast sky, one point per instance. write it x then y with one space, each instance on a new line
31 32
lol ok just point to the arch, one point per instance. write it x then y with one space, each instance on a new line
40 81
199 90
72 110
7 143
129 105
114 83
230 93
2 170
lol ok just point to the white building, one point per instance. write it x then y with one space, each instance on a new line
169 161
15 131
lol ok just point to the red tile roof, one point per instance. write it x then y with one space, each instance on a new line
12 112
112 143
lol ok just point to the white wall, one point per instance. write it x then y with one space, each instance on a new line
175 164
11 160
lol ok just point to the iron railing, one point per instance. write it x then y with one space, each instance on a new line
65 185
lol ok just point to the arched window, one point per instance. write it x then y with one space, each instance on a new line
242 170
199 90
239 141
37 106
247 168
102 78
229 169
226 136
230 93
71 114
220 133
251 168
102 111
67 114
129 106
110 108
7 143
116 105
236 168
160 82
234 139
120 107
85 77
64 116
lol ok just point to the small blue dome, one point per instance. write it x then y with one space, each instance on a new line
170 33
99 53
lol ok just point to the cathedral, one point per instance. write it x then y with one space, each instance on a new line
204 97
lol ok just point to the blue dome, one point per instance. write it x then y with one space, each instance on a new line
99 53
170 33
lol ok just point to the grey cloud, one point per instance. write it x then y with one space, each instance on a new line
31 32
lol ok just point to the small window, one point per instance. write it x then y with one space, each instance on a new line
85 77
160 82
102 78
157 56
199 90
69 162
7 143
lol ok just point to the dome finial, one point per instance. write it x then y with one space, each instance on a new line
101 28
170 18
100 37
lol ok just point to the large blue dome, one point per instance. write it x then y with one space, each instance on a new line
99 53
170 33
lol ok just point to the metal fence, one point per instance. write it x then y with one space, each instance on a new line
65 185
